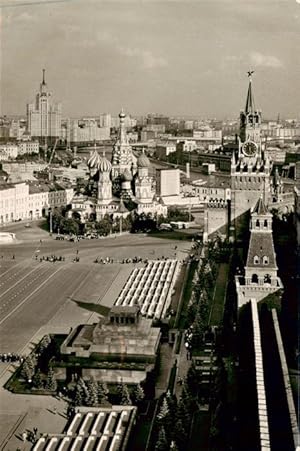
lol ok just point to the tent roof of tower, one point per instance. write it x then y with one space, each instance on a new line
250 105
127 176
143 161
260 208
122 208
261 245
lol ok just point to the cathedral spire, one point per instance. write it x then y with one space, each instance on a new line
250 106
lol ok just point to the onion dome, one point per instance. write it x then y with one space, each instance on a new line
143 161
94 160
127 176
104 165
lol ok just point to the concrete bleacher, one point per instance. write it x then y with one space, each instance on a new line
93 429
150 287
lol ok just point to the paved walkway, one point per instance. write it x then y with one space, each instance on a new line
183 367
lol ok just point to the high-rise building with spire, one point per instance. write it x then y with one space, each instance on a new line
44 116
250 165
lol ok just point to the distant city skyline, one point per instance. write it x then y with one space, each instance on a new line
176 58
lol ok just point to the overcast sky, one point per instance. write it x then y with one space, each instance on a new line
173 57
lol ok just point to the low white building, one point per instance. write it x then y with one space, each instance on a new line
186 145
14 201
88 132
168 182
28 147
8 152
30 200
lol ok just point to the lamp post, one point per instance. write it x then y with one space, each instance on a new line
121 224
50 222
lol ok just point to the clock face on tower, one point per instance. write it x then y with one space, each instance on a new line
249 149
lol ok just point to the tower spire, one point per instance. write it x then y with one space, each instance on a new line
250 106
43 82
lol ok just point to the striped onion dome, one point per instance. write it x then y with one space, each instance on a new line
104 165
94 160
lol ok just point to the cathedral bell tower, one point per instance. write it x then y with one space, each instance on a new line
122 156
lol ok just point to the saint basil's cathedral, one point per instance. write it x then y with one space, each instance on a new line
112 184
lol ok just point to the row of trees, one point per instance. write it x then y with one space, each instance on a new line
133 222
94 393
35 368
174 418
33 375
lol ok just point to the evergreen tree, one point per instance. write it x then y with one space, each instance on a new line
45 342
125 398
51 383
192 379
186 397
139 394
101 393
85 392
119 392
180 435
164 410
27 371
198 330
184 415
93 393
162 443
37 379
32 360
78 395
172 404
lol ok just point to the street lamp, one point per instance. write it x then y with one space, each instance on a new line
50 222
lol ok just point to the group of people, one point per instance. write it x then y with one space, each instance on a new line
11 357
104 261
108 260
31 436
51 258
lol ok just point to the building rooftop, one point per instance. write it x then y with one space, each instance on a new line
38 188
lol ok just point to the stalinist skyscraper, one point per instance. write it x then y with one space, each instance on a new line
43 116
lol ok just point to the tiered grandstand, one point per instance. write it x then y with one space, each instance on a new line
150 287
103 429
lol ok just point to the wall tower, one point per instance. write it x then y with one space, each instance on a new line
250 165
260 273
